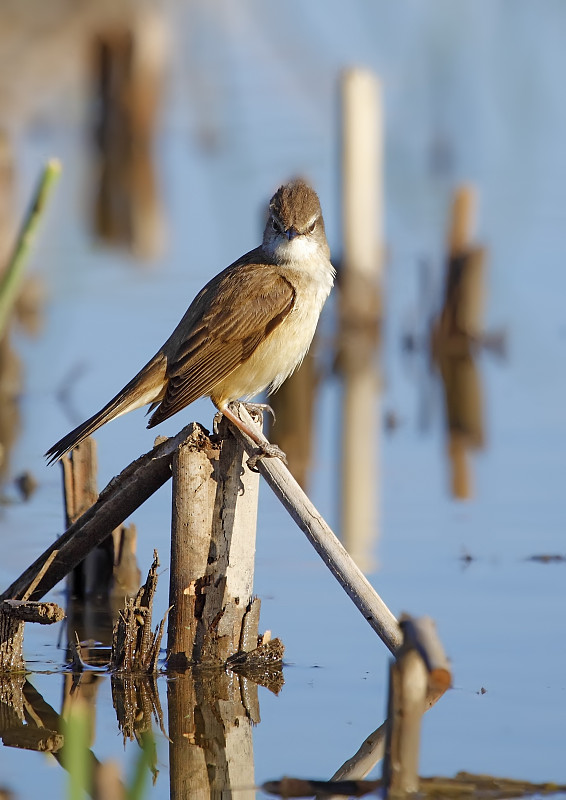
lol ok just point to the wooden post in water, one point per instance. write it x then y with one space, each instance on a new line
420 670
360 308
457 333
79 494
212 550
111 564
193 491
129 63
212 616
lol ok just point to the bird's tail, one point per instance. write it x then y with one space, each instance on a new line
147 387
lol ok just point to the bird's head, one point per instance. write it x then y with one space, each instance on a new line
295 228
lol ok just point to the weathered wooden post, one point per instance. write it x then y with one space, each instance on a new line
293 405
14 614
212 550
417 677
361 307
129 62
111 564
79 494
456 335
213 615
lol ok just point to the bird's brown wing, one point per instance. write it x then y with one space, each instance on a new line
221 329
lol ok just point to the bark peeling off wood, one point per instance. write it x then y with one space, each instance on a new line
134 647
32 611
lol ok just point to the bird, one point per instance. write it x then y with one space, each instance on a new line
247 330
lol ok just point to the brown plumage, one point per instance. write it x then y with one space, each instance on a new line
248 329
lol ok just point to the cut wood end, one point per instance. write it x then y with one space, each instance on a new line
440 679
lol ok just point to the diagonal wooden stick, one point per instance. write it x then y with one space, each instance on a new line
319 534
116 502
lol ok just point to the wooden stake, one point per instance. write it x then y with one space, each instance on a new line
80 468
230 570
362 171
193 493
129 64
212 551
13 616
455 336
360 309
407 693
421 669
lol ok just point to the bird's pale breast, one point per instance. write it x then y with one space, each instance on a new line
285 347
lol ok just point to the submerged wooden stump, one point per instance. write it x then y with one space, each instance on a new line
13 616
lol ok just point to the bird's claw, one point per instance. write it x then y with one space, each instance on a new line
266 451
216 422
260 407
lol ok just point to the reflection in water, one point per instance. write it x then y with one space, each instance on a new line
211 714
455 336
293 407
128 67
463 404
357 364
360 309
210 731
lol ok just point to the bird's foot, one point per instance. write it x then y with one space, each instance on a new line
266 450
216 422
259 407
250 407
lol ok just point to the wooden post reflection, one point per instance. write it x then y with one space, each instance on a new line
456 336
360 310
128 67
293 406
210 732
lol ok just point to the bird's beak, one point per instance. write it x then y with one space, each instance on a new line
291 232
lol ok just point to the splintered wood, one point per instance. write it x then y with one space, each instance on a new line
13 616
135 648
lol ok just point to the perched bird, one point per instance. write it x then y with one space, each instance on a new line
248 329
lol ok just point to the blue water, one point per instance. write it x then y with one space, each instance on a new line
251 99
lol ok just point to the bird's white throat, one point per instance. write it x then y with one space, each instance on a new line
295 251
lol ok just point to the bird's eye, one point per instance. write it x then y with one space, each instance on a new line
275 225
312 227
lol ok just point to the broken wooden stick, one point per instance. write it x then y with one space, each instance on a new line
116 502
421 667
